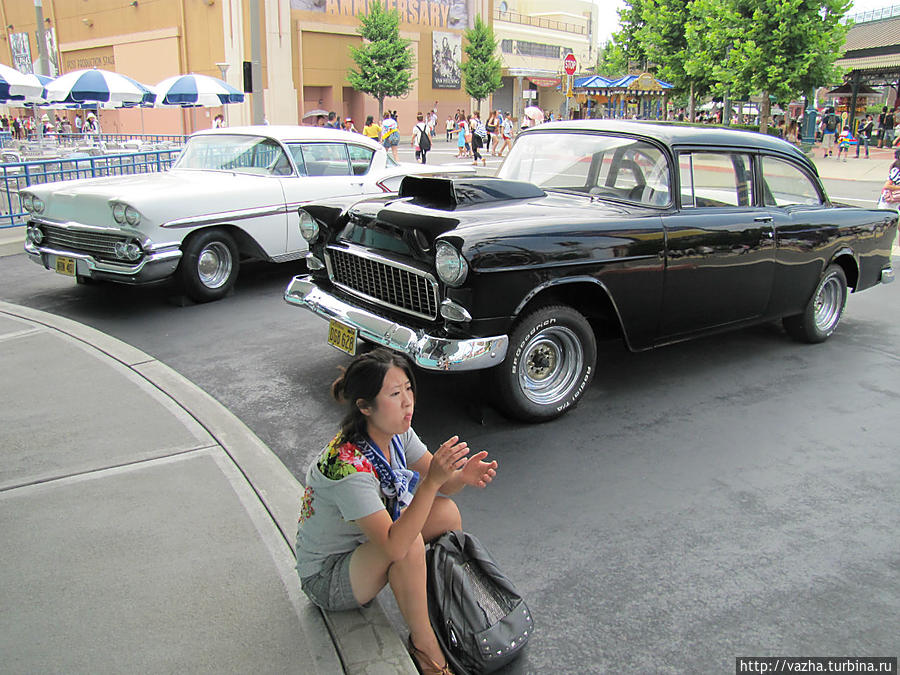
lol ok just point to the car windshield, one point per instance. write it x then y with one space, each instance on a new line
604 166
241 154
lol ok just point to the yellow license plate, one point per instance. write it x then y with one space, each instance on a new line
65 265
341 336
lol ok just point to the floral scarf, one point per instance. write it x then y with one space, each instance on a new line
396 484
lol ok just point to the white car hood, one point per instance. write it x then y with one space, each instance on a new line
159 197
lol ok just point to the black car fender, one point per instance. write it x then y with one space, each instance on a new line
547 290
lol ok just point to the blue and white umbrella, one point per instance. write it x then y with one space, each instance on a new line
33 99
13 83
97 86
196 90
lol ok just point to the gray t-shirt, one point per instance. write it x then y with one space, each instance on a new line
332 504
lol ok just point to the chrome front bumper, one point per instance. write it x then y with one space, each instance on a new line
887 274
429 352
153 267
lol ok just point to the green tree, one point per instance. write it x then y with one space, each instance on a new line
663 36
385 61
631 22
771 47
611 61
481 71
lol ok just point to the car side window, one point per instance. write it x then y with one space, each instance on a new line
321 159
785 184
360 159
710 179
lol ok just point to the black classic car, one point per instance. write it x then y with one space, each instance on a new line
653 232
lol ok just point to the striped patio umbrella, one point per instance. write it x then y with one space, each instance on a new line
194 89
96 86
14 83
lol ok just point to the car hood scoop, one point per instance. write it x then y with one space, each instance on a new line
450 193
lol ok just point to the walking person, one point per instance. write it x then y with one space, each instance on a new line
461 140
421 141
890 191
450 127
887 134
829 128
493 129
843 142
390 134
506 132
372 501
865 135
371 130
479 138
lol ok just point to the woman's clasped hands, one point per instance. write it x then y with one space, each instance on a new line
450 461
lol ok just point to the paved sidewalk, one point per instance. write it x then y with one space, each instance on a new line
145 528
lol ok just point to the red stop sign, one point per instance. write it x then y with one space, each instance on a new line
570 64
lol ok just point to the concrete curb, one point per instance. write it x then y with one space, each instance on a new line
365 641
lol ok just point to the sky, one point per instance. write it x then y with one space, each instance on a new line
609 17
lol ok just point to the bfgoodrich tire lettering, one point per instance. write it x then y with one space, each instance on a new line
823 312
550 364
209 265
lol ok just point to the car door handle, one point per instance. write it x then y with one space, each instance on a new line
763 219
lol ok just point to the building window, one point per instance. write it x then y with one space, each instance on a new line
538 49
506 46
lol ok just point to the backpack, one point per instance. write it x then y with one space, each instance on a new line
480 620
424 140
831 122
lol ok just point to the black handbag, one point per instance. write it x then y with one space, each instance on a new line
481 621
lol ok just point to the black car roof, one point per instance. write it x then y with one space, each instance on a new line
681 134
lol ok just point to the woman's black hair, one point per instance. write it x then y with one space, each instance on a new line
896 164
369 120
360 383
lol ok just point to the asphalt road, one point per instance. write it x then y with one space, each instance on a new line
732 496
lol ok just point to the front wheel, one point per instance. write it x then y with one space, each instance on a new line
550 363
209 265
822 314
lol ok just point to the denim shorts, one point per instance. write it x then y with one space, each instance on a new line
330 587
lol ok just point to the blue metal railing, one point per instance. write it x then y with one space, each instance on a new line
7 141
16 176
874 14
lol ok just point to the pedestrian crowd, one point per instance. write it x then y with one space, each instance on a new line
26 127
472 135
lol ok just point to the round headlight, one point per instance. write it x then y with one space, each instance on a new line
37 204
450 265
132 251
35 234
132 216
26 202
309 228
119 212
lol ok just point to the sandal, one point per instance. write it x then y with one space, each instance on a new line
424 663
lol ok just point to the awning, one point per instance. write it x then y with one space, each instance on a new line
846 89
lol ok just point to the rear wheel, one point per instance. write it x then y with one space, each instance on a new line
550 363
209 265
823 313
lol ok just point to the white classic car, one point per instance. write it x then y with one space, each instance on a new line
232 195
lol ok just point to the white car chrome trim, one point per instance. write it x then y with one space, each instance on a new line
227 216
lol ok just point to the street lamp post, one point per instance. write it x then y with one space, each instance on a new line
223 68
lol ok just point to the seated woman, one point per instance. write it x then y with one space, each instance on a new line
372 501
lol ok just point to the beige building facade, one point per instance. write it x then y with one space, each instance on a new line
304 58
534 37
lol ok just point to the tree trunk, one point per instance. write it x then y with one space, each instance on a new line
380 110
764 113
691 107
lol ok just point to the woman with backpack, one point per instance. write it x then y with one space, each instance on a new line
375 494
421 141
479 138
890 191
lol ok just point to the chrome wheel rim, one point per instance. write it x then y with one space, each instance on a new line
827 305
552 362
214 265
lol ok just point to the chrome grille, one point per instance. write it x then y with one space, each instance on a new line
385 282
97 244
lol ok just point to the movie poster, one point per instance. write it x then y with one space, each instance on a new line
21 52
445 71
